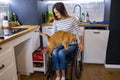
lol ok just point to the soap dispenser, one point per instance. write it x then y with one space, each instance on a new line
82 17
87 17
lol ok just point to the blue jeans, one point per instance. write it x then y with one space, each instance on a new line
59 54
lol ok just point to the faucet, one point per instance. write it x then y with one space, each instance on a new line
79 9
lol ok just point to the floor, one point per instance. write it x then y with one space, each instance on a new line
90 72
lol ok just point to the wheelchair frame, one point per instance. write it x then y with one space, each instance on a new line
76 61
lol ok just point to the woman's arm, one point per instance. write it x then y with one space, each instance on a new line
79 34
81 46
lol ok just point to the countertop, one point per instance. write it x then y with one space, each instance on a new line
82 25
9 38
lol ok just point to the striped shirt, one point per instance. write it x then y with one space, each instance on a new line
70 25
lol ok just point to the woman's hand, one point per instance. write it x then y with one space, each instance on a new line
81 47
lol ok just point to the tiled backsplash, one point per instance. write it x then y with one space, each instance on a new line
3 10
94 8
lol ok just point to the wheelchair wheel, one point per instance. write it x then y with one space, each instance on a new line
48 78
50 72
78 64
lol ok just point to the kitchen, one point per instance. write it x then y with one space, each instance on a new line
111 56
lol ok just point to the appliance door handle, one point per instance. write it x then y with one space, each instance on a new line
96 32
49 28
2 66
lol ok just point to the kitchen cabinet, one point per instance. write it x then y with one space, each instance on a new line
29 12
16 53
7 63
113 49
48 30
42 65
40 58
95 43
23 51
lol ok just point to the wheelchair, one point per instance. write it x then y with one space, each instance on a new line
75 59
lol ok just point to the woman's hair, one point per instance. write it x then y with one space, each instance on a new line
59 6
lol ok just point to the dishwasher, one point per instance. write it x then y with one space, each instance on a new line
95 43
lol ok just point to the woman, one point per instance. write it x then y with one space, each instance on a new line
66 23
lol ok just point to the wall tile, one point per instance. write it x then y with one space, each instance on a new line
95 9
3 10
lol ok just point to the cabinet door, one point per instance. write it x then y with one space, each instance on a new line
7 64
48 30
6 60
95 43
8 74
27 12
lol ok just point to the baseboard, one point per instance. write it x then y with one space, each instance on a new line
111 66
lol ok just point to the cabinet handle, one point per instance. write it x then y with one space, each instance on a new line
0 48
2 66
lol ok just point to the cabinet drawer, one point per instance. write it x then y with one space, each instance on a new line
5 61
8 74
4 48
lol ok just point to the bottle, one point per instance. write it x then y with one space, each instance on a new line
87 17
82 17
6 26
